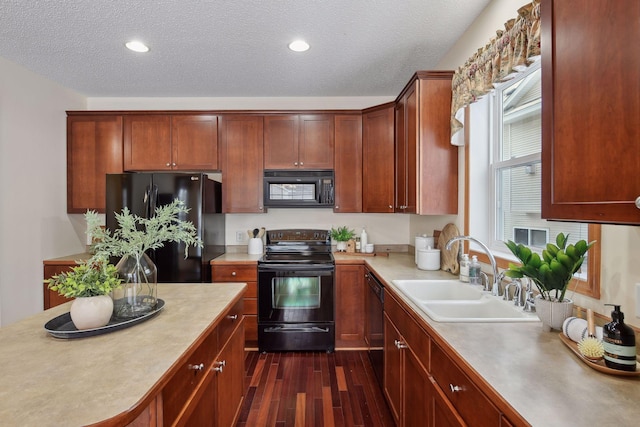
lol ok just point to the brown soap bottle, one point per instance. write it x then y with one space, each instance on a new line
619 342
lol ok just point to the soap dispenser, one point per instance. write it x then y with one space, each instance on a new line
619 342
363 239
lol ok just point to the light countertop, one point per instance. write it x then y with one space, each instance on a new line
45 381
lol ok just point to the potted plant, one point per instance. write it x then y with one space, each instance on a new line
134 237
342 235
551 274
90 283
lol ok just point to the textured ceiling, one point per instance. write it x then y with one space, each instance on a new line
216 48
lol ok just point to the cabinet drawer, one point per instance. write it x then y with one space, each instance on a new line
472 405
190 373
415 337
252 290
251 306
229 322
234 273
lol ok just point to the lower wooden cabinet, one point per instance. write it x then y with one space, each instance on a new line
51 268
246 272
350 306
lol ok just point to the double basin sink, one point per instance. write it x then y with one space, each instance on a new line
454 301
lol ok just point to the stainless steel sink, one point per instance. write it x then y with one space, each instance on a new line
454 301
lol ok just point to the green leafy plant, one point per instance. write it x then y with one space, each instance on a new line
554 271
89 278
137 235
342 234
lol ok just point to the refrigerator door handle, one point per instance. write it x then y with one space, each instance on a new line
153 201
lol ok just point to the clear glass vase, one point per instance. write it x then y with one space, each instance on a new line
138 294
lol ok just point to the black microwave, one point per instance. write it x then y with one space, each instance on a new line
298 188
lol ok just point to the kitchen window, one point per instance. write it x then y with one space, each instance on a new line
504 173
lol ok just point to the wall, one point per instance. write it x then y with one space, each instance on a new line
620 245
33 220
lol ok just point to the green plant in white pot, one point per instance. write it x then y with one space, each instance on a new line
133 238
551 274
341 235
90 283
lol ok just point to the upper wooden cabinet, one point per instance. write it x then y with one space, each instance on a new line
170 142
377 159
590 111
94 149
295 141
241 159
348 163
426 162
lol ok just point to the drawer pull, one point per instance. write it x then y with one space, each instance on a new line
199 367
232 317
220 366
455 388
400 345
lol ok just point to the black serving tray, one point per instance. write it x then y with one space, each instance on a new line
63 327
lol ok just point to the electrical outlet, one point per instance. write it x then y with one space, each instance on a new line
637 299
240 236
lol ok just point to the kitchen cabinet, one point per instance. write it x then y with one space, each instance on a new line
348 163
426 164
170 142
378 159
53 298
94 149
208 387
298 141
246 273
590 110
241 138
350 305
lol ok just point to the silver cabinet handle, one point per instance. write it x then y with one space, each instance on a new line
199 367
232 317
220 366
400 345
638 202
233 273
295 163
301 163
455 388
173 164
390 206
168 164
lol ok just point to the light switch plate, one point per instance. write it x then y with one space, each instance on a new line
637 299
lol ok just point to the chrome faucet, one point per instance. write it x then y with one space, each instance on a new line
494 286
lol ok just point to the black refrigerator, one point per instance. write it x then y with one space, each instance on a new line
143 192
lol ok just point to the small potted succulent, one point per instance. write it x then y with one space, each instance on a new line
342 235
551 274
90 283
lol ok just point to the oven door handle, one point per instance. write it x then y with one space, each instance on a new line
296 329
307 268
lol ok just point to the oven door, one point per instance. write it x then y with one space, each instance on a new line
295 293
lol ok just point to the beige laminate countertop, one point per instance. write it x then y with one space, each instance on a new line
45 381
531 369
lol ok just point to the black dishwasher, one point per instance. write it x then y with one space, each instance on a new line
375 323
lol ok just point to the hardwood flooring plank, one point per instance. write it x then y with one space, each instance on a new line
300 410
327 407
342 381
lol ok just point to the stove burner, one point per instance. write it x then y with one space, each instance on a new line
298 246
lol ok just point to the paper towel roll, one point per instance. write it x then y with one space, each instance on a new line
577 329
429 259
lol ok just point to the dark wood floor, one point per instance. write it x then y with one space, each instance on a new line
312 389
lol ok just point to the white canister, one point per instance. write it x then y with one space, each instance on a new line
422 242
255 246
429 259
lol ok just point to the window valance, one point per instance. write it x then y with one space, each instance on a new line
510 51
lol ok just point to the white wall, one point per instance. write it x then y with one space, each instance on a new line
33 220
620 245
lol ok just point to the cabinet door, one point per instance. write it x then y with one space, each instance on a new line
194 142
443 414
230 379
350 309
590 110
411 150
378 161
94 149
417 391
242 157
147 142
281 135
392 369
401 155
53 298
348 163
316 142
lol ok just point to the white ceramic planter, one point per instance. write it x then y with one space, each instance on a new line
91 312
552 314
341 246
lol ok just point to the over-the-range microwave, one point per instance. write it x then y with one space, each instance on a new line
298 188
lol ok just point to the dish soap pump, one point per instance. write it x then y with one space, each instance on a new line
464 268
619 342
363 239
474 271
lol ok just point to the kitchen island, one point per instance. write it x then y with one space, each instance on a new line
118 377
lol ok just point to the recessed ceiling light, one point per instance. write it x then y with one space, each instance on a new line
137 46
299 46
